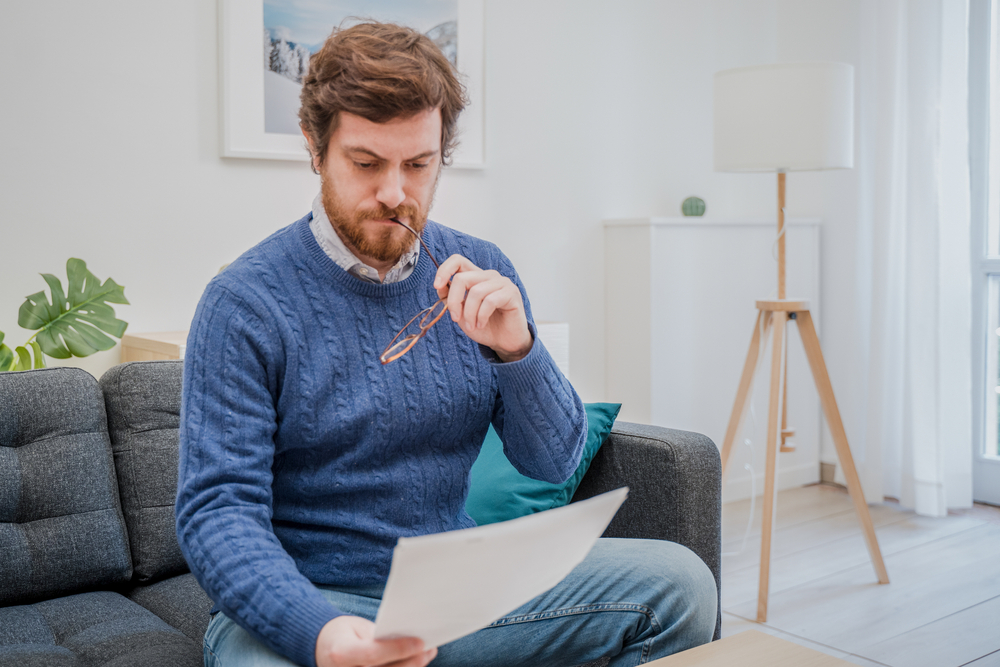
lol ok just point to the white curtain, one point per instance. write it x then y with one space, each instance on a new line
914 276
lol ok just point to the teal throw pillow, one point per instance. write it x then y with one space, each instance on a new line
498 492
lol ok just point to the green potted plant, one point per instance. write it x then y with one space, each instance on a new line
72 323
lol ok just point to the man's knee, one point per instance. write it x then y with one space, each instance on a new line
226 643
687 596
702 596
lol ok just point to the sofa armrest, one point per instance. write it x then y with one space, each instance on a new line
675 488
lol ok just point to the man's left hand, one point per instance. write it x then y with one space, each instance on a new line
486 305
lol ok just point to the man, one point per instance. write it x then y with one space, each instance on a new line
304 458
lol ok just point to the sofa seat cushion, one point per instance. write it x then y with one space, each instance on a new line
179 601
143 401
61 526
98 629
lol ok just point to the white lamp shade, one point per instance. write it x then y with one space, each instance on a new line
785 117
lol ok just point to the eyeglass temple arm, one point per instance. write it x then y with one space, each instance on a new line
409 229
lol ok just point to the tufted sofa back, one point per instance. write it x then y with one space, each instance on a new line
61 524
143 401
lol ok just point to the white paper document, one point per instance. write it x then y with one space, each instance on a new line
445 586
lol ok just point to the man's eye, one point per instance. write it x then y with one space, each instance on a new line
419 165
364 165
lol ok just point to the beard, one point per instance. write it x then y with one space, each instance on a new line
385 244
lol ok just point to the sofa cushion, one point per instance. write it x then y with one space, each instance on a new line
143 401
61 527
179 601
99 628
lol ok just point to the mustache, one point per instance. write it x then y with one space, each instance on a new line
383 212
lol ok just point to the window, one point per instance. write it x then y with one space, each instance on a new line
984 160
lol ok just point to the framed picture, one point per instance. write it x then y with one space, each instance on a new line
265 47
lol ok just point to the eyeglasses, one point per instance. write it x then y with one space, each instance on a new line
415 329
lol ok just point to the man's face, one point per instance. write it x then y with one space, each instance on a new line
376 171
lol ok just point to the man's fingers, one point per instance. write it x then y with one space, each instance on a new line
467 294
473 296
349 641
483 299
384 651
461 283
489 306
449 268
415 661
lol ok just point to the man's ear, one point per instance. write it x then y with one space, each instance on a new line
312 149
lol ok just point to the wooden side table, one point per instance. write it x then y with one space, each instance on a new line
750 649
150 346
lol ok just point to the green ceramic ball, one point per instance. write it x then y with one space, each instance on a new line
693 206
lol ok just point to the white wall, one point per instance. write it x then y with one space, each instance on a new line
109 152
109 136
600 110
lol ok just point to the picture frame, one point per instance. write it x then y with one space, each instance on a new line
241 23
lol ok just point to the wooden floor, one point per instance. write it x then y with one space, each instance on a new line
941 609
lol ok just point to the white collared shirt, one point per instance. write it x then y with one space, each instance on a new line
333 246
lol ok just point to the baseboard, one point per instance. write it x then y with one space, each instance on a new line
738 487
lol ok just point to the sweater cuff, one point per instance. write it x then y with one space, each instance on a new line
532 370
490 355
301 626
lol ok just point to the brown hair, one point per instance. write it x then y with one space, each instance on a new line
379 71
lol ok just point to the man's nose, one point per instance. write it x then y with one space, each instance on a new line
390 188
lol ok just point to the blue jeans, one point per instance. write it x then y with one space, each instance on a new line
633 600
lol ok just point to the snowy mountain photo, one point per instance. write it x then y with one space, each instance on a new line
295 29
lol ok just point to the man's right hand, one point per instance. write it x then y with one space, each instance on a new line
349 641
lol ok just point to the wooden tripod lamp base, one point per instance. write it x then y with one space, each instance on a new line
785 117
773 317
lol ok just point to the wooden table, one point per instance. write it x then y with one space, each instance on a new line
750 649
149 346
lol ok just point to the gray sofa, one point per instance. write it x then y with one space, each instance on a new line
91 573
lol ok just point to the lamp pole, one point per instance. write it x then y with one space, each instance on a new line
781 233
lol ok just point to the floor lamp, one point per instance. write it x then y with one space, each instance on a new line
781 118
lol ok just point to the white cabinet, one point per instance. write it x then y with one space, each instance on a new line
679 304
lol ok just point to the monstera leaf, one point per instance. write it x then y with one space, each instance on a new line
7 358
24 360
75 322
19 359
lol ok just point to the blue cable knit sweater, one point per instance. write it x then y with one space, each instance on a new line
303 459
